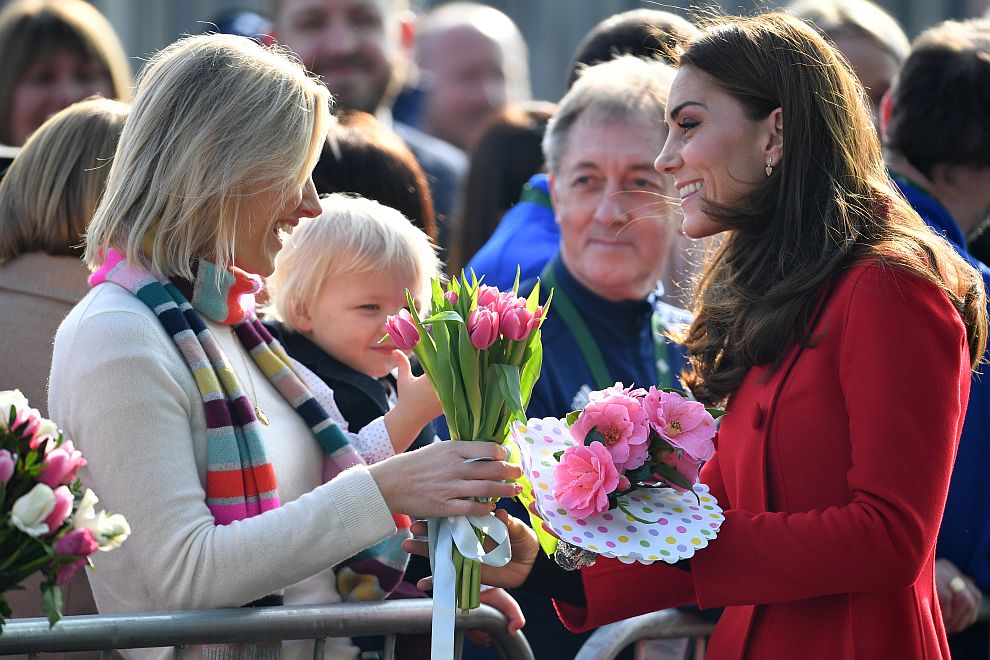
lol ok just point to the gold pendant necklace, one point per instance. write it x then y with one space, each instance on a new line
258 412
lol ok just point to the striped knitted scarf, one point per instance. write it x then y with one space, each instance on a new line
240 480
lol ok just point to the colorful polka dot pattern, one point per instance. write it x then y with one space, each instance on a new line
679 524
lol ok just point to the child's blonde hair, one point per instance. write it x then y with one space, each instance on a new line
353 234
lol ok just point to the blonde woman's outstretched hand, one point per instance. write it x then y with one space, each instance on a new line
521 539
443 479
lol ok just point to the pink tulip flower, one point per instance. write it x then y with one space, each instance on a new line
507 300
79 543
537 319
26 423
488 297
516 322
451 297
61 464
7 464
402 330
63 507
585 477
482 327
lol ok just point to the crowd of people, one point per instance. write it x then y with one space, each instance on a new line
780 213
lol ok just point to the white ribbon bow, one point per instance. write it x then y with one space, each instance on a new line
444 533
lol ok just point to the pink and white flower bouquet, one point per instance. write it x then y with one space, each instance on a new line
621 476
47 522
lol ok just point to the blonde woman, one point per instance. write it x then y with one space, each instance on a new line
237 487
52 54
47 198
46 201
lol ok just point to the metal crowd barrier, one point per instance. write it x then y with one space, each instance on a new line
106 633
608 641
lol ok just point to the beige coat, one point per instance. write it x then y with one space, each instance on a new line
37 291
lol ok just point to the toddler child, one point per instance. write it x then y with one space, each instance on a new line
335 282
337 279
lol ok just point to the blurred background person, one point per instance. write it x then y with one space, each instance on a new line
617 220
938 154
46 202
528 234
472 60
507 155
640 32
870 39
52 54
362 49
243 22
364 157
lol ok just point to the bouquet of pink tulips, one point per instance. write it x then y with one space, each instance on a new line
47 522
483 355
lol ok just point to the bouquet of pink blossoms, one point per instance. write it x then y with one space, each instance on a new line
482 353
628 439
47 522
620 478
480 348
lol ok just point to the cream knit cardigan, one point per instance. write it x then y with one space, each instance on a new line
123 394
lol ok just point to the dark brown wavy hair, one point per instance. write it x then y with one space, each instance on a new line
828 203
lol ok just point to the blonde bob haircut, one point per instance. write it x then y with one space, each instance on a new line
52 188
352 235
32 30
218 122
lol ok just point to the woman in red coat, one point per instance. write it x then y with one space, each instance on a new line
840 331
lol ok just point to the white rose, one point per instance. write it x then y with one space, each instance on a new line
10 398
85 517
47 427
108 530
30 510
114 530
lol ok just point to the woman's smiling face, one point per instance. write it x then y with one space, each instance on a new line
714 150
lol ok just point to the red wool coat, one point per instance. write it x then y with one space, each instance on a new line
833 471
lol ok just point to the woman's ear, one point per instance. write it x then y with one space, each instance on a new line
775 138
299 316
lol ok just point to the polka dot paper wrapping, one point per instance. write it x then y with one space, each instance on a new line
683 524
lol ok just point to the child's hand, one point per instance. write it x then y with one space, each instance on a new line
417 405
416 393
507 605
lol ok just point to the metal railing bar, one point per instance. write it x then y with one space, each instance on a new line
225 626
389 650
608 641
319 648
